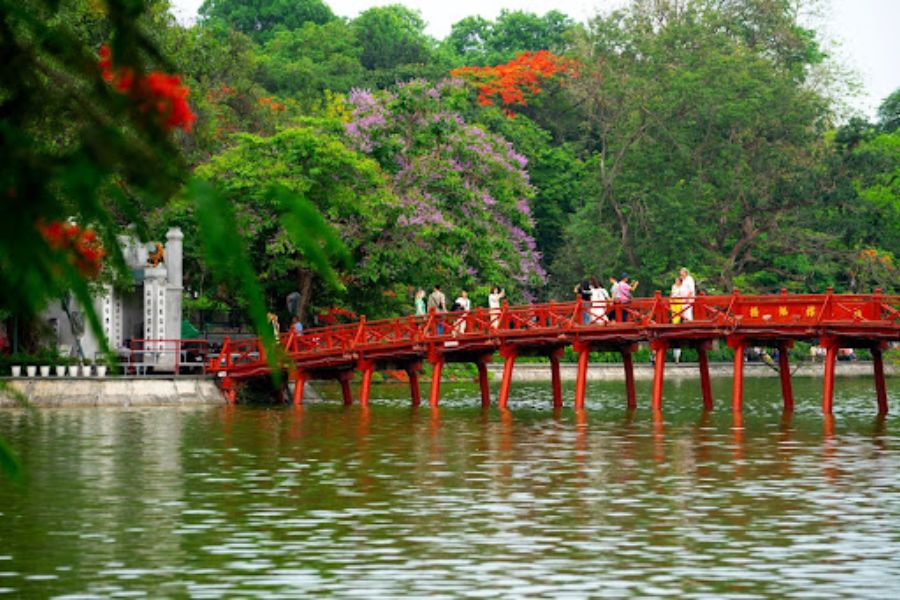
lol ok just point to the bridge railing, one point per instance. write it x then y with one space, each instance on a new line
731 311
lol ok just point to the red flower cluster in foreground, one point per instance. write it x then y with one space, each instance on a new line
157 92
81 245
511 81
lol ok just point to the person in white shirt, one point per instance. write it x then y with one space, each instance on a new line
494 305
688 291
462 304
599 301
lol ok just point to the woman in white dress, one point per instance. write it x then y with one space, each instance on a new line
494 299
464 304
599 300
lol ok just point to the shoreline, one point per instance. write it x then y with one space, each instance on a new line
166 390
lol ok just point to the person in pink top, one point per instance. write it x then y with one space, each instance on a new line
624 291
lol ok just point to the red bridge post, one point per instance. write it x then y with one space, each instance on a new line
631 398
299 382
705 385
412 370
228 390
880 389
367 367
584 351
483 384
437 365
555 355
784 371
831 348
659 348
509 353
345 378
739 344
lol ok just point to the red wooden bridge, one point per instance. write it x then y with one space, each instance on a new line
833 321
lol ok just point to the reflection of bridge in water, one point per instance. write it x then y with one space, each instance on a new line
832 320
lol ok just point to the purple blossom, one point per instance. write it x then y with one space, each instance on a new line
523 207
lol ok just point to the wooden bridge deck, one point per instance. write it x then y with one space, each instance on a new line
832 320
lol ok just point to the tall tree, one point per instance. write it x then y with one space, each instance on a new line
261 18
478 41
391 36
463 190
704 140
304 63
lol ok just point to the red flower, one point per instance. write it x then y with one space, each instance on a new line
157 92
81 246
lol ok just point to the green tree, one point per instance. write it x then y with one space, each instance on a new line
889 112
478 41
390 36
464 194
259 19
304 63
705 143
310 162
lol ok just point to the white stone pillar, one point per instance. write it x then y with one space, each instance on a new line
155 318
174 287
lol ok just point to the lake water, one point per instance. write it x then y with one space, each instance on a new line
394 502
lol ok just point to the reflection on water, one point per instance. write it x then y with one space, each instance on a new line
392 501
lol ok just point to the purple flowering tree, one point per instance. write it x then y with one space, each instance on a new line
464 193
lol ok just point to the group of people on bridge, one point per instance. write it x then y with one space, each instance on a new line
437 302
597 301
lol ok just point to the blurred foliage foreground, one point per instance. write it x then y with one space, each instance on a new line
90 121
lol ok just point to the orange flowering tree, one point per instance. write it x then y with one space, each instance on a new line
513 82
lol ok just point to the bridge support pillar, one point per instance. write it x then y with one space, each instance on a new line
784 371
659 348
556 381
705 385
299 382
412 370
437 366
737 384
367 367
509 353
344 378
630 397
584 351
831 348
483 384
880 389
228 390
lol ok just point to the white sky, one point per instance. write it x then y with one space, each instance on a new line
865 30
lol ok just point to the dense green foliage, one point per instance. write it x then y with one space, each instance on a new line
693 133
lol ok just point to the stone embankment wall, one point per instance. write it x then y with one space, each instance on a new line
644 371
113 391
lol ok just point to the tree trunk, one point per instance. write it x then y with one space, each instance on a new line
305 279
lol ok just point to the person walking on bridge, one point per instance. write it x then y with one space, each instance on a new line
462 304
624 290
494 299
437 303
599 302
676 306
420 302
583 291
688 291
